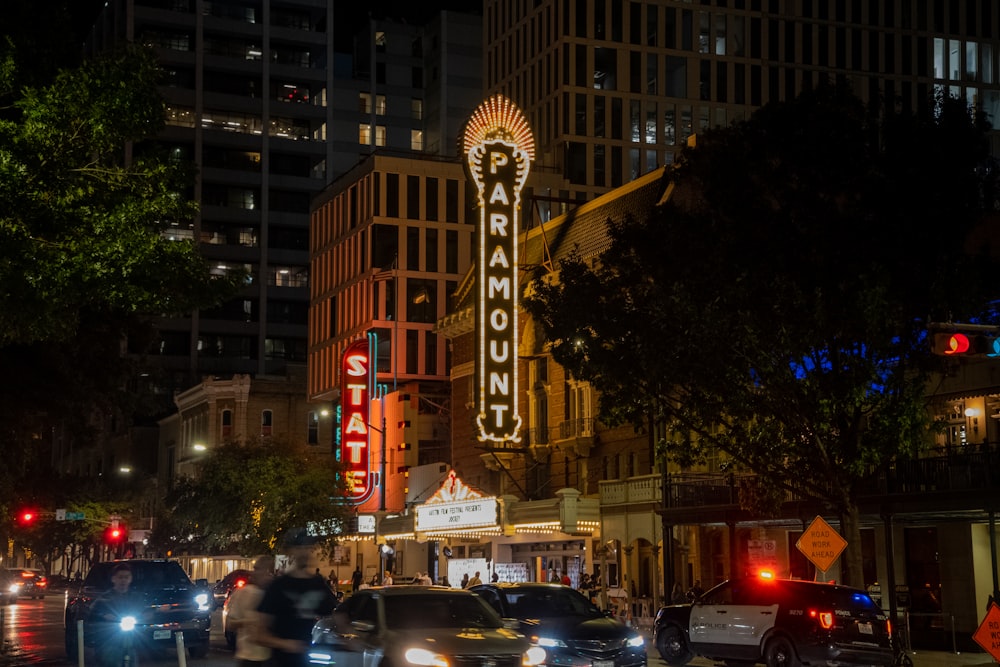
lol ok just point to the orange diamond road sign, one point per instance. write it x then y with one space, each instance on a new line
988 634
821 544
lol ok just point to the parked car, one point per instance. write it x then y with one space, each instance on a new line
173 604
780 622
566 624
418 625
10 586
27 583
226 585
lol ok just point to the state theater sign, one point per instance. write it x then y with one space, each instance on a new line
499 147
355 402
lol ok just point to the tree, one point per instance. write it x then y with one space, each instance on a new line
247 496
85 199
775 308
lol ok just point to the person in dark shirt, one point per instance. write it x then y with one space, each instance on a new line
293 603
108 611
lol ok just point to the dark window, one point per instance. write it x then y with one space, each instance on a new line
451 200
451 252
413 197
431 251
413 248
431 199
392 195
385 246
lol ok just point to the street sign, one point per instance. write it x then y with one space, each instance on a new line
75 516
60 515
988 634
821 544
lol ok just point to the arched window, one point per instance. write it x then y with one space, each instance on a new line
266 423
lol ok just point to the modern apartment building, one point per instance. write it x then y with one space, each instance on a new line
270 109
613 88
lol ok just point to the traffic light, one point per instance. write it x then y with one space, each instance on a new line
114 534
27 518
961 344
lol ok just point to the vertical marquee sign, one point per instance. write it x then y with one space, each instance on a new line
499 147
355 403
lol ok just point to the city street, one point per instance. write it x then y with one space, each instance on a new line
32 633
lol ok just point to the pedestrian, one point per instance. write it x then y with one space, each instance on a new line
695 591
387 578
356 579
244 617
108 610
495 578
425 579
566 581
474 581
293 602
677 594
465 580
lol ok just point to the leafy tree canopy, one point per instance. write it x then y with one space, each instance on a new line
776 307
246 497
84 200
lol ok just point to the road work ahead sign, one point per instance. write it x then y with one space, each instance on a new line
821 544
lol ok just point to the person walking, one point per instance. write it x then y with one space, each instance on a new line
465 580
474 581
293 602
356 579
244 617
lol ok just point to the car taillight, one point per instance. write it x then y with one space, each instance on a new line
240 583
888 627
825 618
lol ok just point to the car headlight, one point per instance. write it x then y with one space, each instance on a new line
549 642
636 641
201 599
421 656
535 655
13 588
127 623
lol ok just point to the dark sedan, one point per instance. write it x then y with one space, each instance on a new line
229 583
567 625
418 626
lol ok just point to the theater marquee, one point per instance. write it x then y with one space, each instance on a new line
499 147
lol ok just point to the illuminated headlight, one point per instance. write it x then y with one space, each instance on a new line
127 623
201 599
421 656
550 642
317 658
533 656
14 588
636 641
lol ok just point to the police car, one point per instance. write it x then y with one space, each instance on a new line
780 622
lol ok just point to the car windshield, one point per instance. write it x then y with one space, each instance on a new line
145 575
549 602
439 611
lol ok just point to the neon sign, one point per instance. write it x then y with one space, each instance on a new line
499 147
355 403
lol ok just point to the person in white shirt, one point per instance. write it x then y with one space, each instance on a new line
244 617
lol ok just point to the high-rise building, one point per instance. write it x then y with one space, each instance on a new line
613 88
270 107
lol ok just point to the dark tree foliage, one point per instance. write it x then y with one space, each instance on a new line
84 198
776 307
247 496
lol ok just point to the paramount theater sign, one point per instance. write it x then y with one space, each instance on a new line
499 148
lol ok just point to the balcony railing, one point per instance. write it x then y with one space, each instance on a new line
962 471
576 428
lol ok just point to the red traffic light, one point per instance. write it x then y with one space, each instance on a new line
951 343
27 517
114 534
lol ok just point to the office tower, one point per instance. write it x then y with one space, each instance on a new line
613 88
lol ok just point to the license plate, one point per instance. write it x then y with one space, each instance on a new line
603 663
865 628
165 634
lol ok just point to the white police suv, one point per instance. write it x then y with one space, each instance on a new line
783 623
